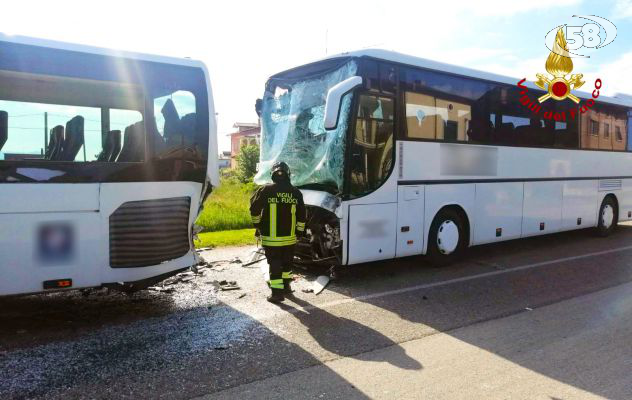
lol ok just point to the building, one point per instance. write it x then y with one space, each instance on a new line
224 160
246 133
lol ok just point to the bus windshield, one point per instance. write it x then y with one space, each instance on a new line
293 130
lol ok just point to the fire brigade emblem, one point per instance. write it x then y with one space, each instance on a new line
559 66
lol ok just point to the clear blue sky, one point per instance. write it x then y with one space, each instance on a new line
244 42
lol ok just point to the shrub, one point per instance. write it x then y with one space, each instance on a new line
247 160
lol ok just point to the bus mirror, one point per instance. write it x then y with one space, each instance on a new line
258 107
334 99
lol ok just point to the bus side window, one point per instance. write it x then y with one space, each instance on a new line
429 117
420 116
176 120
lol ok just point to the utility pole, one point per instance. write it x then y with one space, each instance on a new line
45 132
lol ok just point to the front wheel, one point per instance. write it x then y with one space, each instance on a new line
447 238
608 217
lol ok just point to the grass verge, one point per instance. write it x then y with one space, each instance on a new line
237 237
227 208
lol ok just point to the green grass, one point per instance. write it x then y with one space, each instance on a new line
225 219
227 208
226 238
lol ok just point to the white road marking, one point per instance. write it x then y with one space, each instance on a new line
456 280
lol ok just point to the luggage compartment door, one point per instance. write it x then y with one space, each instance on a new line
372 232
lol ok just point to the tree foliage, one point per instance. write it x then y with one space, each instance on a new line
247 160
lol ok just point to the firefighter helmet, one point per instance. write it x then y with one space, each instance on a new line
280 168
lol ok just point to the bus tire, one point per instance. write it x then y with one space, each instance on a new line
447 239
608 217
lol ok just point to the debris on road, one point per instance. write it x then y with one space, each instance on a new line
161 289
241 296
308 290
320 283
256 256
228 285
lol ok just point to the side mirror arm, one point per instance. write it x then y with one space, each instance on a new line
334 100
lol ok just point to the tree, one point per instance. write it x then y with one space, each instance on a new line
247 160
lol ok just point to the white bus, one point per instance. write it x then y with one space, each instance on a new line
398 156
105 160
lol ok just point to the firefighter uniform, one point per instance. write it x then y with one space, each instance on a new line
278 212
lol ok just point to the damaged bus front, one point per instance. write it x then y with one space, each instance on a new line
293 130
308 121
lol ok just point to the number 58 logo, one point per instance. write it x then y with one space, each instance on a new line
592 35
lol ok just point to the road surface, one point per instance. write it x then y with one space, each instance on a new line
546 317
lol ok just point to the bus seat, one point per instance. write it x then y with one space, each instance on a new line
524 135
133 145
55 143
115 140
504 133
4 128
74 139
172 120
480 131
111 146
188 126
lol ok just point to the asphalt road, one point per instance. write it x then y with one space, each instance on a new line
544 317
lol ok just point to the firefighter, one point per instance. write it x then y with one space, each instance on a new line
278 213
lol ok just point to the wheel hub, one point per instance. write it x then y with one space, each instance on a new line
448 237
607 216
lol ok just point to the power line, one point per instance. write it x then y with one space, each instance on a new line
25 115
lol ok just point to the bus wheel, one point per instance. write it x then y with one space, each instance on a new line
447 238
608 216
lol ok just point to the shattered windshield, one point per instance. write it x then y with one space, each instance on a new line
293 130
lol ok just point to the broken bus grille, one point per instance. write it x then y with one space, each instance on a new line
149 232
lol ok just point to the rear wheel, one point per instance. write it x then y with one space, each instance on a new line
608 217
447 238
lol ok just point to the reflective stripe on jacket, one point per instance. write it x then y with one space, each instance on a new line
278 211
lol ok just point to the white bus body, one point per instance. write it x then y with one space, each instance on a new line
437 158
105 160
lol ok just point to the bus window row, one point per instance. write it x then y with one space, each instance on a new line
443 107
95 121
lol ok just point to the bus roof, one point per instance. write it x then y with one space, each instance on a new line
619 99
52 44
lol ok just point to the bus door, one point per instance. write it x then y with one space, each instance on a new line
410 209
372 223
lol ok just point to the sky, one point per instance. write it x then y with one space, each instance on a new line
244 42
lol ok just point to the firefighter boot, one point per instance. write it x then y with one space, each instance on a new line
276 296
287 283
287 287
